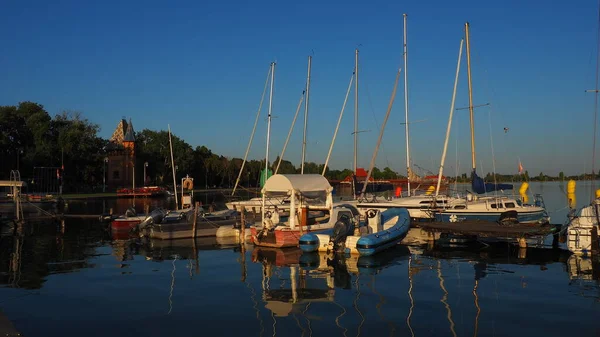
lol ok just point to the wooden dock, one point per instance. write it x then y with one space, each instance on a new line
486 229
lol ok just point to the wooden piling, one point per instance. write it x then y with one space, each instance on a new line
195 219
243 242
242 226
303 218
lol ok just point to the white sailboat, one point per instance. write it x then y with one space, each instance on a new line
488 208
584 226
418 206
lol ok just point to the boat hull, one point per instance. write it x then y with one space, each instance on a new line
525 217
365 245
281 238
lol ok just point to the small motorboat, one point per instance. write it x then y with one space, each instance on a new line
382 230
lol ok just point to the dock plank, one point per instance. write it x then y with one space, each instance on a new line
489 229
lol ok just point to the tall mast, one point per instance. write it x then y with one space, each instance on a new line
173 168
596 90
355 164
305 116
471 117
269 120
437 189
406 106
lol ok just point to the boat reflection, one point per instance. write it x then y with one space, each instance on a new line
292 282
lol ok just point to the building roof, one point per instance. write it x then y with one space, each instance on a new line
129 135
123 132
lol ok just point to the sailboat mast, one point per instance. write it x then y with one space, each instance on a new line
355 164
269 120
305 116
471 116
406 106
439 181
595 91
173 167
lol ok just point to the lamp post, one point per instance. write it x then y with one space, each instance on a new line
104 174
145 165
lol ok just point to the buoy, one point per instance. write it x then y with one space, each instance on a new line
523 192
430 190
188 184
571 199
598 193
398 192
571 186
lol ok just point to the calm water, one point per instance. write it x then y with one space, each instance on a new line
81 282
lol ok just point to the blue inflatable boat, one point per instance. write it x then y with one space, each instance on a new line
382 230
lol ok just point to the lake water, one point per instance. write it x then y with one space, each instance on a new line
80 282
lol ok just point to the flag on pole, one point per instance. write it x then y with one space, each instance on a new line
520 167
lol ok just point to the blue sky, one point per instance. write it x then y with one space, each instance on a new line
200 67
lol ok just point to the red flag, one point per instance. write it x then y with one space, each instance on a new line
520 168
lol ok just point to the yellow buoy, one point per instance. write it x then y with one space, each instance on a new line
430 190
523 192
598 193
571 199
571 186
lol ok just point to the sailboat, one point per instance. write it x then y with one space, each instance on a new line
418 206
255 204
488 208
584 226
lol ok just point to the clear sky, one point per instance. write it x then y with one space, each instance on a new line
200 66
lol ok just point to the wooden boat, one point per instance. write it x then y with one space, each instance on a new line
384 230
311 193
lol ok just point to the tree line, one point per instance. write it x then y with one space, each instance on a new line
30 138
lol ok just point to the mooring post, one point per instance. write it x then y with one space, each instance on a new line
594 240
242 238
242 234
522 242
303 217
195 219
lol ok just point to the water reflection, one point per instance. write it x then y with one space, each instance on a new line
405 291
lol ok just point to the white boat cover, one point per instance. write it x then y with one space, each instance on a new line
300 183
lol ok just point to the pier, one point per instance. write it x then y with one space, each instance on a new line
485 230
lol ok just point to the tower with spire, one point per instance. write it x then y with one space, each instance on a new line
121 156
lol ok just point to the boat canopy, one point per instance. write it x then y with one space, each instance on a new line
304 184
480 187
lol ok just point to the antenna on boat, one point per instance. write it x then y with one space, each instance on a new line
405 54
439 180
305 115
